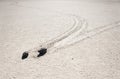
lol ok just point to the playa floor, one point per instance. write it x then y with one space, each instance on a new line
26 24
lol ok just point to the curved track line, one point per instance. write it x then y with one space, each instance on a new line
78 32
78 26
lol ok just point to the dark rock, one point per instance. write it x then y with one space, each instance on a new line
24 55
42 52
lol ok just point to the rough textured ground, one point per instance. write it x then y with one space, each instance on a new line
25 24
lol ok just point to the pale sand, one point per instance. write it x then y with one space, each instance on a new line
26 24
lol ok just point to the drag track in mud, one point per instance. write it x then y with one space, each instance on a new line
72 36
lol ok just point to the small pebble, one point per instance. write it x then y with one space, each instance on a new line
24 55
72 58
